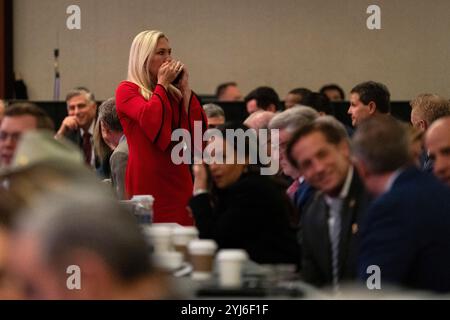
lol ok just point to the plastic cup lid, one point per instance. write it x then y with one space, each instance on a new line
147 198
158 230
232 254
185 231
205 246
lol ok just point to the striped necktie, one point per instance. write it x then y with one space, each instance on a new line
334 229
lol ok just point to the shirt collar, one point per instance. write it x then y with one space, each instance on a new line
345 188
348 181
392 179
91 129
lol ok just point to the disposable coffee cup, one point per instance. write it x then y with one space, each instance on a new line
145 200
181 236
143 208
230 263
160 238
168 261
201 253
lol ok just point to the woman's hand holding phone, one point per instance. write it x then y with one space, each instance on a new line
200 177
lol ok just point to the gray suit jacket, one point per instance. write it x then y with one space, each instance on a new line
118 163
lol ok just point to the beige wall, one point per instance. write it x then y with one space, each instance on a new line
284 43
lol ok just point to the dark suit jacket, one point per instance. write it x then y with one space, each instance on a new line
316 247
75 137
407 233
252 214
103 171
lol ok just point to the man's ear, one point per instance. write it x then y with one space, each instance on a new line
344 147
361 167
272 108
423 125
372 107
104 126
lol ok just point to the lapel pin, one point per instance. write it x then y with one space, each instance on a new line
354 228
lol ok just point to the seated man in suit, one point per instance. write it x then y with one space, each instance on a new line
215 115
368 99
438 146
425 109
56 255
19 118
60 215
287 122
78 126
333 92
321 151
111 145
406 230
228 91
262 98
295 96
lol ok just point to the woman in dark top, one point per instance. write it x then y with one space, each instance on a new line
241 208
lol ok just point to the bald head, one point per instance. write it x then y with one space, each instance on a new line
437 142
259 120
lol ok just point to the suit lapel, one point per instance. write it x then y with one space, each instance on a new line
322 250
349 219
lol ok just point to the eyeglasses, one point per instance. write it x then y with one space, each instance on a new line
15 136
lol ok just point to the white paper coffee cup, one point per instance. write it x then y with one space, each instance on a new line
169 261
160 237
202 254
181 236
230 263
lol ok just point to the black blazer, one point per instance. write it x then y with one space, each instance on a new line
102 168
316 247
252 214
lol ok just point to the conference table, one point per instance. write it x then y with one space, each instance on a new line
258 282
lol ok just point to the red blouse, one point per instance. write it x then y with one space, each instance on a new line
148 126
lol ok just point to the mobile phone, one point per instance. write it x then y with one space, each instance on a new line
209 179
177 80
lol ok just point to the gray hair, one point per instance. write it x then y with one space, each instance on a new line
294 118
87 220
382 143
212 110
81 91
336 124
107 115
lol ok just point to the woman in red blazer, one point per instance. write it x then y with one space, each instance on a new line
150 108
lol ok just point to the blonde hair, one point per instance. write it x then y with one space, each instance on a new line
430 107
141 52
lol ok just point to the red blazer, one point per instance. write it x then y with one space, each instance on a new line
148 125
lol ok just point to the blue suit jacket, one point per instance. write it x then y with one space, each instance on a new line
407 234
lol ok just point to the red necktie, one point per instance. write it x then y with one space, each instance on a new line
293 188
87 148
